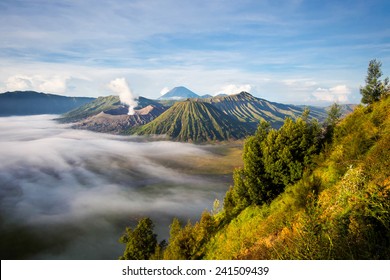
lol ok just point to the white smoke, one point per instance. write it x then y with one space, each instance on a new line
126 96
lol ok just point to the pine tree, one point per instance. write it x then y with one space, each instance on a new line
141 242
332 119
375 88
272 159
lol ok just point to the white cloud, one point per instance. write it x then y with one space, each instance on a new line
56 84
299 84
338 93
52 84
18 82
164 90
234 89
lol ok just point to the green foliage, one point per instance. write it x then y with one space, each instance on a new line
374 88
141 242
273 159
188 243
339 210
159 251
334 115
287 202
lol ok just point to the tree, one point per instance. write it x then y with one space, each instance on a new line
182 242
334 115
141 242
272 159
332 119
375 89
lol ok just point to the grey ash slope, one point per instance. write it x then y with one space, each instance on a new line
107 114
109 104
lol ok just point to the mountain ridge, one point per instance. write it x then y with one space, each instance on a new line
249 109
194 121
22 103
242 110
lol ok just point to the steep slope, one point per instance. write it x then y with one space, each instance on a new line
92 108
109 104
23 103
179 93
338 208
117 121
246 108
338 211
194 121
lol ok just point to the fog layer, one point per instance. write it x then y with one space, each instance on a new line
68 194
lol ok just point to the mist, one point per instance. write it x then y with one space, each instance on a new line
69 194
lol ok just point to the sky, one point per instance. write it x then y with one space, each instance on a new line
299 52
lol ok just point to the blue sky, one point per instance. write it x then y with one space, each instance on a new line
301 52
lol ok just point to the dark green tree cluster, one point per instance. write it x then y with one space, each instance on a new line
375 88
273 159
187 243
141 243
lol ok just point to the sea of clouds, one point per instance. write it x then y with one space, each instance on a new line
73 192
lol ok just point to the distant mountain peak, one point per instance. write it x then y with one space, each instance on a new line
178 93
244 95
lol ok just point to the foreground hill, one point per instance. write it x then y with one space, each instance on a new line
194 121
339 209
299 195
22 103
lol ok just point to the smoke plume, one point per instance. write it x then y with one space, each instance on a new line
126 96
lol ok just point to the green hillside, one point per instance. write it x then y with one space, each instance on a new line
194 121
338 210
90 109
299 196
